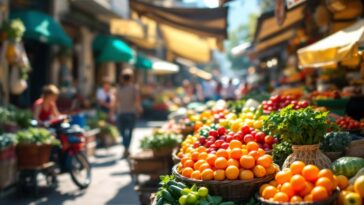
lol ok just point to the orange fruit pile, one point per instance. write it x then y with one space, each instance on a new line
239 161
302 183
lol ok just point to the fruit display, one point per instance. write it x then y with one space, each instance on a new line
348 123
347 166
174 192
278 102
353 194
325 95
302 183
237 161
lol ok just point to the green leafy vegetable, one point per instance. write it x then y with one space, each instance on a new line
299 127
335 141
36 136
160 140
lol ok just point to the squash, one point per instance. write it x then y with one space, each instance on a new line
347 166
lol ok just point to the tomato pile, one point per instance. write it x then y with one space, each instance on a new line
238 161
348 123
302 183
278 102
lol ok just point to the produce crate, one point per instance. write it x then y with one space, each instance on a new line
145 162
91 141
336 106
145 191
8 167
355 149
30 155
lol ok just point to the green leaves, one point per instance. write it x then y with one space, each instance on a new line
160 140
299 127
36 136
335 141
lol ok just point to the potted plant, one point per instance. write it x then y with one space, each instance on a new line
161 143
335 143
7 160
34 147
304 129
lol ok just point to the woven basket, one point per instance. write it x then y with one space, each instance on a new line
329 201
230 190
333 155
31 155
309 154
163 152
175 158
355 149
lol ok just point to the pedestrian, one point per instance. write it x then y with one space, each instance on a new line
128 107
218 90
45 108
229 91
105 97
208 89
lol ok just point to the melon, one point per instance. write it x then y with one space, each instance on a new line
347 166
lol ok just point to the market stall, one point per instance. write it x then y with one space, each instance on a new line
280 150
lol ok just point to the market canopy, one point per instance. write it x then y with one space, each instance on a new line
269 33
161 67
111 49
142 62
337 47
42 27
210 22
188 45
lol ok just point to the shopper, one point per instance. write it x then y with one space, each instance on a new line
229 91
104 96
208 89
128 107
45 107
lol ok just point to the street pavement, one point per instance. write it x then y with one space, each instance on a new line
111 180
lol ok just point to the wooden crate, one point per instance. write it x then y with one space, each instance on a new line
8 172
145 162
91 142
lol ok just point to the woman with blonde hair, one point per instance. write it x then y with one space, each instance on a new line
45 107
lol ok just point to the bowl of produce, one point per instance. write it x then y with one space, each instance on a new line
302 184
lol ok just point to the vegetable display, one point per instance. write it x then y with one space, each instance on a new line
347 166
348 123
278 102
281 151
160 140
36 136
335 141
7 140
173 192
299 127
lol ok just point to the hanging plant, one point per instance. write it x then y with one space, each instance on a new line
13 30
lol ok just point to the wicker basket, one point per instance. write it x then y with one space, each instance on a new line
309 154
175 158
329 201
333 155
355 149
31 155
230 190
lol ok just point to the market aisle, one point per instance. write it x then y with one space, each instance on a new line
111 183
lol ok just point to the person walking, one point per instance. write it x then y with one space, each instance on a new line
104 96
229 91
128 107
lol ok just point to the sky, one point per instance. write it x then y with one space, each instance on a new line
239 11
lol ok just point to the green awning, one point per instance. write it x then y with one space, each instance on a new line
42 27
111 49
143 62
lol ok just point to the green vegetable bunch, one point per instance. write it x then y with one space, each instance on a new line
7 140
160 140
173 192
236 106
281 151
299 127
36 136
12 114
335 141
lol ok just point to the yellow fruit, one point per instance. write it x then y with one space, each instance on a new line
359 186
352 199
